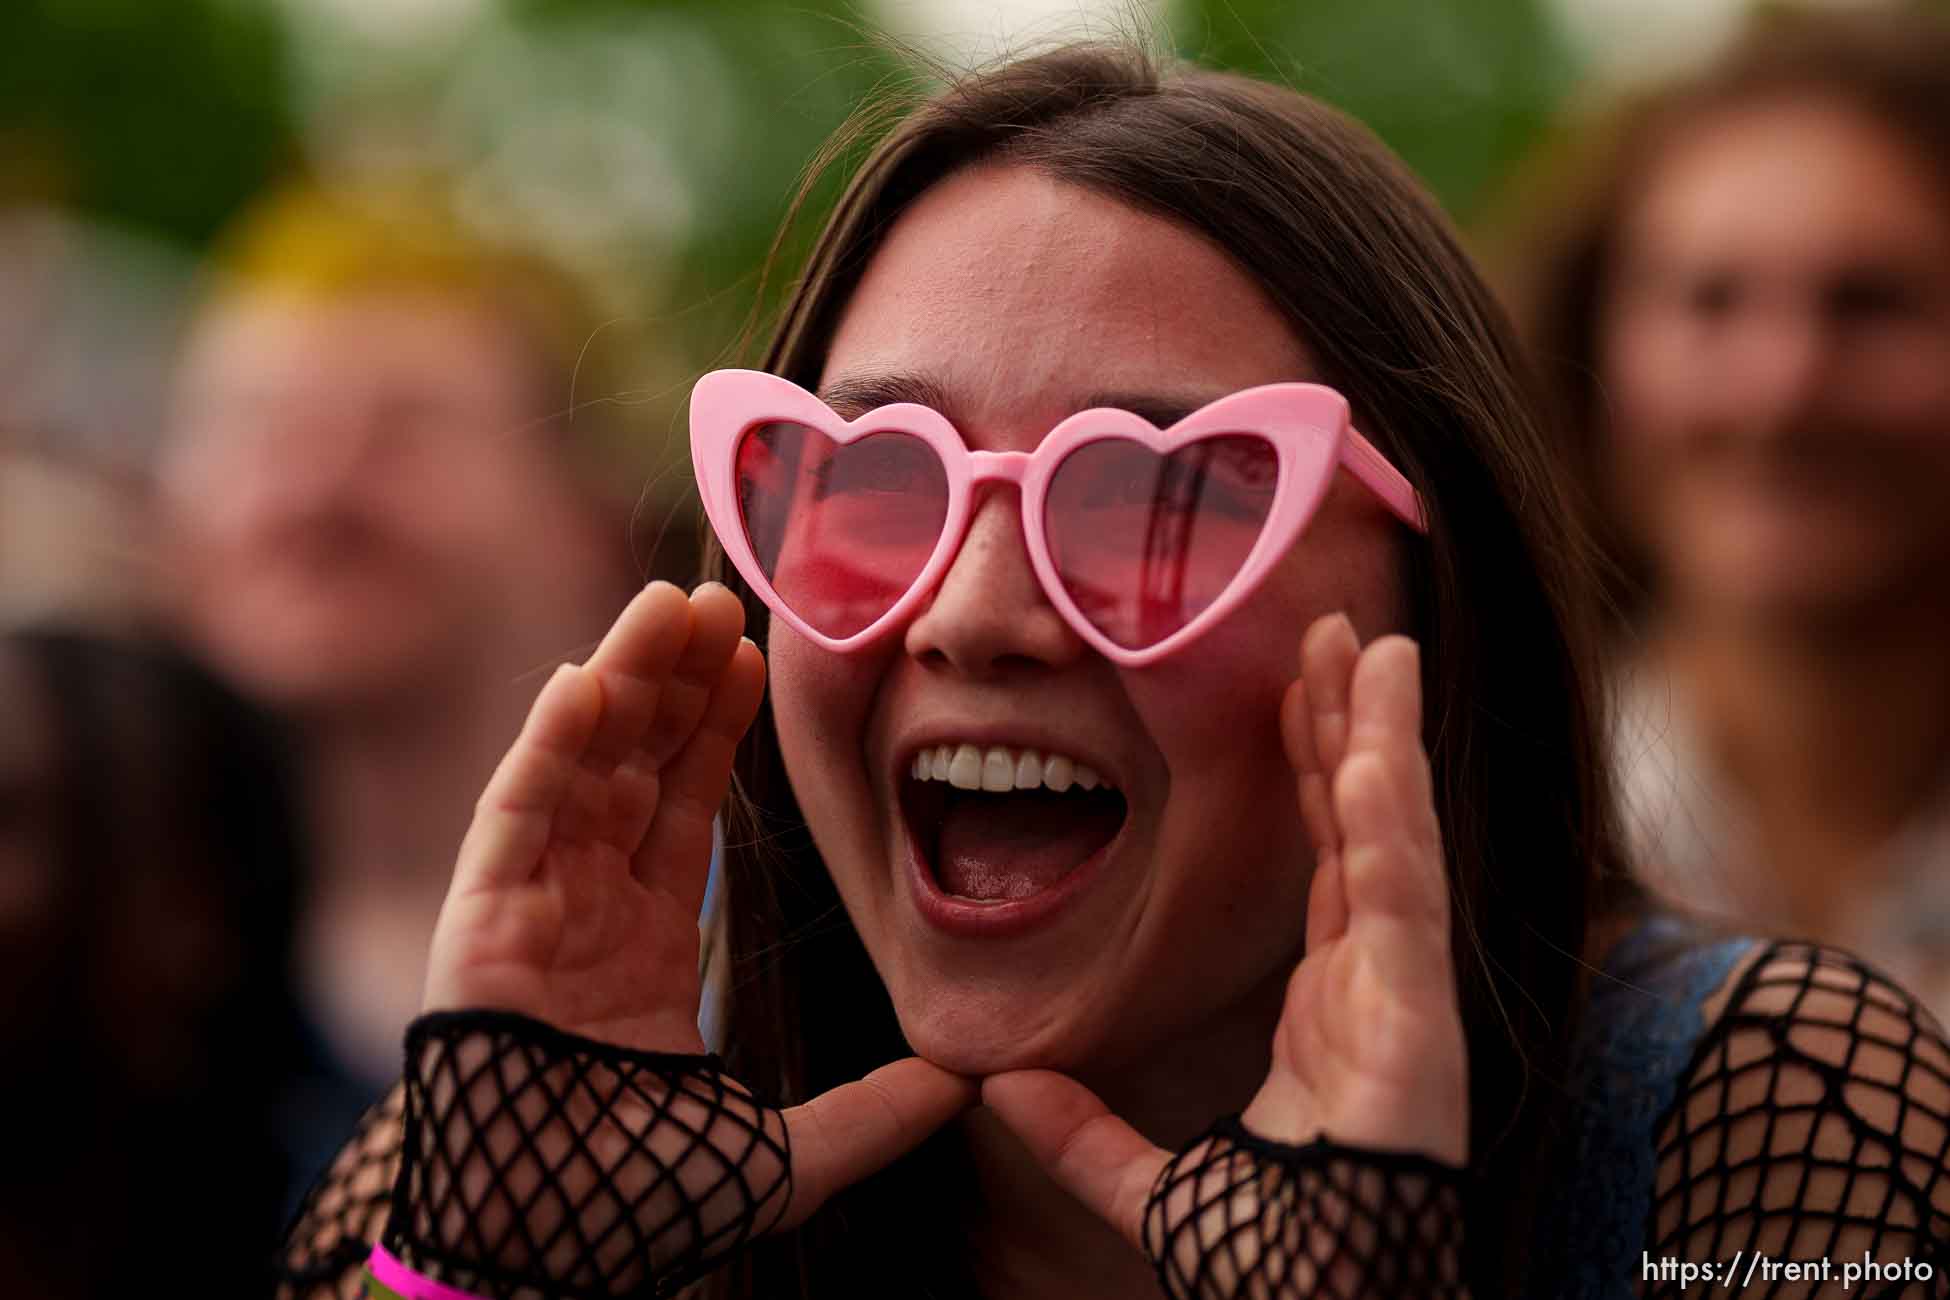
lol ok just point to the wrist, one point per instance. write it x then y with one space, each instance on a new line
388 1279
536 1160
1238 1214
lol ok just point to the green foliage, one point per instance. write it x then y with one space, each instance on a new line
163 114
718 104
1458 89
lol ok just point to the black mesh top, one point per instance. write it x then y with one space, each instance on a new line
1741 1107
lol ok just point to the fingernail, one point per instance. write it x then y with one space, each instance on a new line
708 585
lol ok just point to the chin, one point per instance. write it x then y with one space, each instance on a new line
976 1036
312 674
1809 588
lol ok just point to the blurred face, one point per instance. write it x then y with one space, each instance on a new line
357 497
1776 355
1073 928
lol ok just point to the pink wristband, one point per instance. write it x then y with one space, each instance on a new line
397 1277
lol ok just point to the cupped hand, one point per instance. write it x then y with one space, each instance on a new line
576 895
1369 1049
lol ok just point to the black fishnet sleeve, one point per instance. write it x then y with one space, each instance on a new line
517 1161
1236 1215
328 1241
538 1163
1814 1125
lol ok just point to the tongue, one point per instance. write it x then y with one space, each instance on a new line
1004 846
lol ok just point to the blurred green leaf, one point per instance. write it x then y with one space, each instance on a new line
1459 90
162 115
751 91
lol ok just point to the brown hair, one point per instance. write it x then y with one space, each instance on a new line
1560 251
1367 271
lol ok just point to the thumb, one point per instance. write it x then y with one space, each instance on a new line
1092 1154
854 1130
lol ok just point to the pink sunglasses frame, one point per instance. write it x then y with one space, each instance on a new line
1307 424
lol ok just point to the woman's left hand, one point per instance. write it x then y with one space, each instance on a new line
1369 1049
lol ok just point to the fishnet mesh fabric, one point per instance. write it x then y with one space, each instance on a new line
342 1215
540 1163
1814 1124
1234 1215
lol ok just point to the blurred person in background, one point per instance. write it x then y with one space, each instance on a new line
1746 321
149 854
391 516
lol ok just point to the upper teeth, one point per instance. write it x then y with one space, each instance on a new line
998 768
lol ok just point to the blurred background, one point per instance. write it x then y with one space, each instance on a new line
343 347
649 145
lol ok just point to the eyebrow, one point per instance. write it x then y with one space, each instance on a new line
1161 409
852 396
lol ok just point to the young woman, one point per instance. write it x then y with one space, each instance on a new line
1149 757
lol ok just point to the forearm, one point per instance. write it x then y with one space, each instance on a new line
325 1248
1236 1215
531 1162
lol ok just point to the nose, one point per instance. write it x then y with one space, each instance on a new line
1781 367
989 616
313 462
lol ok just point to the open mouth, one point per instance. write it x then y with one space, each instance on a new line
996 846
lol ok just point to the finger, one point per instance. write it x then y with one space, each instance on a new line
514 814
1391 872
1326 902
1392 865
1385 692
664 713
1094 1155
842 1136
1385 719
632 663
676 848
717 623
1326 905
1328 653
1297 736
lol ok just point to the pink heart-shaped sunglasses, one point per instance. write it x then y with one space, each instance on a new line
1141 537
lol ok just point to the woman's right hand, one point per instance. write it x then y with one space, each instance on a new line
575 899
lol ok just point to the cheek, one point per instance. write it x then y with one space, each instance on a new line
820 704
1232 863
1648 379
1227 770
446 503
1233 815
1649 364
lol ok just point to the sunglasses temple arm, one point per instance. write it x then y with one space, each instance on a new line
1361 459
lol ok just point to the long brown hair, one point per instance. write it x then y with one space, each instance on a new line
1559 244
1368 272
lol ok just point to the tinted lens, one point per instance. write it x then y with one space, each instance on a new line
840 531
1145 543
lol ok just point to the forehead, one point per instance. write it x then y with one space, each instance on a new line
256 337
1804 182
1018 299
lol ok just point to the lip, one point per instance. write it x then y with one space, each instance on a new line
966 919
